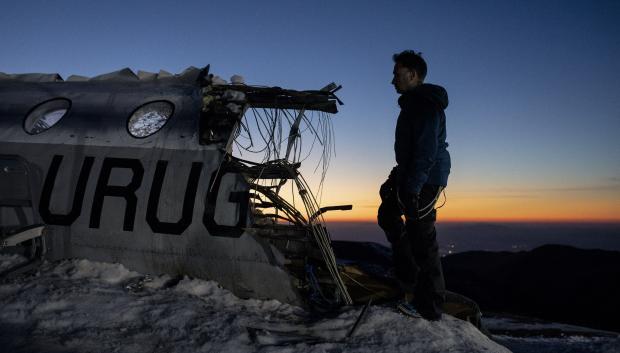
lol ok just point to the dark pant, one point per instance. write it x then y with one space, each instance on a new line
415 250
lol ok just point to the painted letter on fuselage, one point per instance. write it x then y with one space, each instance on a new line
179 227
240 197
78 196
127 192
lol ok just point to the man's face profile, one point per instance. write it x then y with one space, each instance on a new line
404 78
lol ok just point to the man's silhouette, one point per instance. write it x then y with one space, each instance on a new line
413 187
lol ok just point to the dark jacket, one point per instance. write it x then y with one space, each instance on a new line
420 143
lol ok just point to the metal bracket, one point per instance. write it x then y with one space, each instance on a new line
24 234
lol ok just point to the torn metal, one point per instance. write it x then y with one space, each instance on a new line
277 115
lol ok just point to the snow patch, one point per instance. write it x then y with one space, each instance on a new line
237 80
51 306
88 306
105 272
233 96
8 261
198 287
570 344
235 108
216 80
157 282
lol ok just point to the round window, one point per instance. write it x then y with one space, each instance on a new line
149 118
46 115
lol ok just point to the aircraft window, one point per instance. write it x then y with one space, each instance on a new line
46 115
149 118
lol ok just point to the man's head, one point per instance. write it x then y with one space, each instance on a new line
409 70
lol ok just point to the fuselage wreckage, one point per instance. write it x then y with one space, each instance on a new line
140 170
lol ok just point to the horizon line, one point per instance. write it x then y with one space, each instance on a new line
490 220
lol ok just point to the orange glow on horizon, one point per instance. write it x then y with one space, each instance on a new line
360 217
467 201
534 207
484 220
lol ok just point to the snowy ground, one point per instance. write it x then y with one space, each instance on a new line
569 344
83 306
525 335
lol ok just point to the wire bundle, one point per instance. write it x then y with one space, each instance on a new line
322 238
265 135
262 136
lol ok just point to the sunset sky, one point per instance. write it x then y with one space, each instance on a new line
534 86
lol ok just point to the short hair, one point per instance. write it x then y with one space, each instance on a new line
413 61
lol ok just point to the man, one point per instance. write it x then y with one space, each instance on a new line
414 185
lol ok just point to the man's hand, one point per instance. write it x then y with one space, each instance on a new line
388 186
385 190
408 204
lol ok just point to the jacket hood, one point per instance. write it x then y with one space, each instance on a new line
426 91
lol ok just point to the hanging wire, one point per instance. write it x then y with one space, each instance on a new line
277 134
273 125
322 237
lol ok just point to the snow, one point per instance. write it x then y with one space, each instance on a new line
107 273
48 120
512 324
571 344
233 96
8 261
237 80
216 80
86 306
148 119
525 335
235 108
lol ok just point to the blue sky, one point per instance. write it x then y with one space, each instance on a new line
534 85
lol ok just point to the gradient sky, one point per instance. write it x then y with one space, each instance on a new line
534 86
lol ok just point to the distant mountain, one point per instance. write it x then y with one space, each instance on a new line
457 237
553 282
467 236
